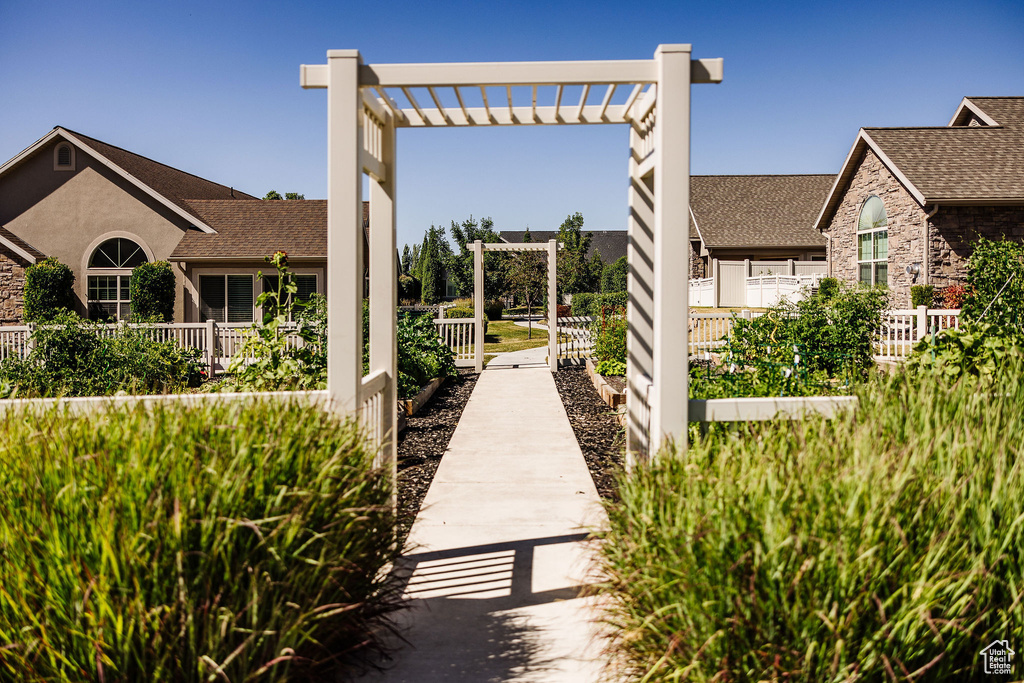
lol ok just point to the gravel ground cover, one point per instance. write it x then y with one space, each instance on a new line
424 441
600 437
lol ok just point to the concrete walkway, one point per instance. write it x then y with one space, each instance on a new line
497 554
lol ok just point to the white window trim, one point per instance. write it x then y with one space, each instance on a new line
94 245
872 232
107 272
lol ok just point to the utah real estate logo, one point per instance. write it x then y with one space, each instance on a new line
998 657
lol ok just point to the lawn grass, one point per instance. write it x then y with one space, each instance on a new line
505 336
884 544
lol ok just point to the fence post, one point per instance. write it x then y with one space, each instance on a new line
922 322
792 267
716 284
746 267
745 314
211 346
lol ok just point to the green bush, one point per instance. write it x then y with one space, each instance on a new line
979 349
76 357
611 368
408 287
922 295
183 543
460 312
422 356
49 290
828 288
995 283
609 334
152 291
613 277
586 303
868 547
494 309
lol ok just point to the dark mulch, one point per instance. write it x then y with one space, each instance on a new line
601 438
424 441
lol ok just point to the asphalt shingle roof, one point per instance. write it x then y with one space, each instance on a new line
177 186
758 210
962 162
11 237
256 229
611 244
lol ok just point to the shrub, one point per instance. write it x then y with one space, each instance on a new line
76 357
460 312
613 277
611 368
494 309
184 543
922 295
422 356
49 290
610 337
810 550
995 283
585 303
828 288
152 291
979 349
952 297
408 287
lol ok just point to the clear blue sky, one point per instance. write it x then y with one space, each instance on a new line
213 88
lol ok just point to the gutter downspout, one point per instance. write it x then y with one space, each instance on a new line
927 243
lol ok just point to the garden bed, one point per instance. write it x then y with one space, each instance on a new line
597 430
611 389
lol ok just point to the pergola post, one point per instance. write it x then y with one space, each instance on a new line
553 305
344 230
384 293
478 302
670 380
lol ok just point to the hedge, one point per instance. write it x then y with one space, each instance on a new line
152 291
49 290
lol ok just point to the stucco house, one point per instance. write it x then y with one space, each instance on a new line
755 217
102 210
921 197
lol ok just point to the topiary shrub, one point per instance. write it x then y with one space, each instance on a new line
152 291
922 295
49 290
464 312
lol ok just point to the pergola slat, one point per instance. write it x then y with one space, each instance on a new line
607 99
583 102
462 106
440 107
416 106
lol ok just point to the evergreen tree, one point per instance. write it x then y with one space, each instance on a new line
406 260
574 271
460 270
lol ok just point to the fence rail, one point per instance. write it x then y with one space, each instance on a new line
459 335
768 290
903 328
219 342
575 338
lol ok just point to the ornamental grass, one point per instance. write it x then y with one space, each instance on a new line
885 544
226 542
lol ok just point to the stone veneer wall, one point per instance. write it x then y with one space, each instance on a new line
12 287
906 221
954 229
696 264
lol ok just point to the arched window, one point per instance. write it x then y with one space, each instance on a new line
110 269
873 243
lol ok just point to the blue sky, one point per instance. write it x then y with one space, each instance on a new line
213 88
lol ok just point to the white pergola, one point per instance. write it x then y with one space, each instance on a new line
363 116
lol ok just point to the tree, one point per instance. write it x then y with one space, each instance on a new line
460 271
435 255
575 273
525 278
406 260
414 261
274 194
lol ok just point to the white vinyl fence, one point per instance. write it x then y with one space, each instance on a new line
458 334
219 342
770 290
575 341
903 328
729 285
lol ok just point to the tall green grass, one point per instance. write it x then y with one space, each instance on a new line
218 543
883 545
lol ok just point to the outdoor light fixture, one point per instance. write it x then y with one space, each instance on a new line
914 269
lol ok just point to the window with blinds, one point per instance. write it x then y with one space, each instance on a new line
226 298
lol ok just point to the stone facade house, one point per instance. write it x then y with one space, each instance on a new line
755 217
102 210
909 203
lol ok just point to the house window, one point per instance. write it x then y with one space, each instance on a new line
64 157
109 278
873 243
305 284
226 298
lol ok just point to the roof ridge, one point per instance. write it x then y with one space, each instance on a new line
759 175
154 161
999 127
